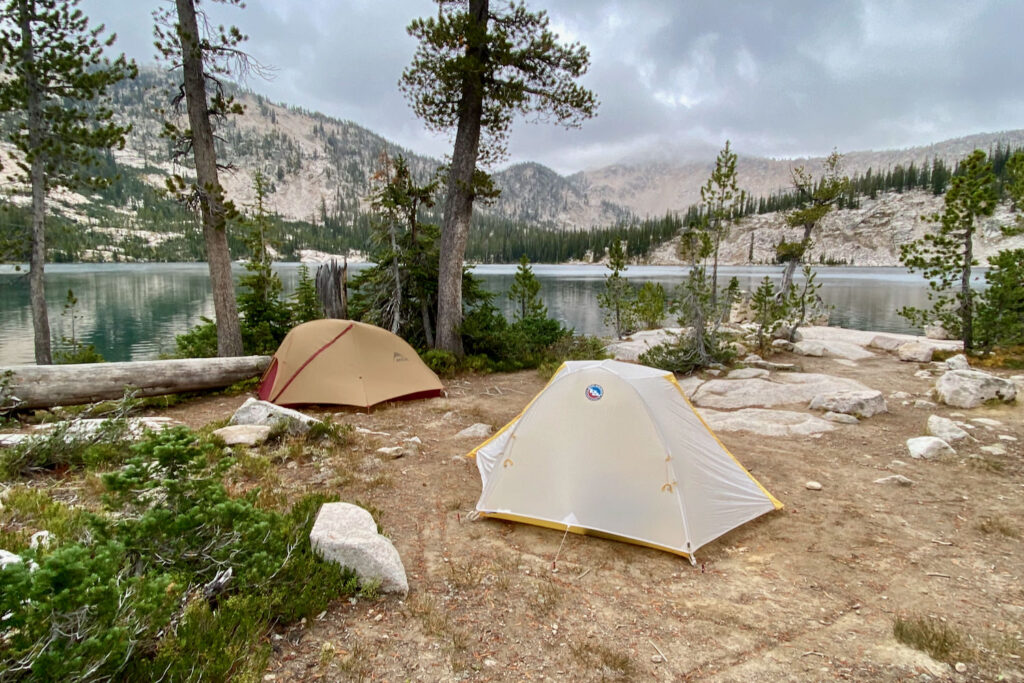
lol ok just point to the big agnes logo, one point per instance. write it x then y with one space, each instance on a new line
594 392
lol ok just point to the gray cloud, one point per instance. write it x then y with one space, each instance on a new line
674 79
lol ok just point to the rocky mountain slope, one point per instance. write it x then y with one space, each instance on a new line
319 168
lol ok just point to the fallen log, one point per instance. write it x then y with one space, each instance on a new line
44 386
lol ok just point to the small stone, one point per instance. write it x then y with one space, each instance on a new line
813 486
971 388
986 422
243 435
782 344
809 348
490 663
915 352
960 667
921 403
994 449
897 463
1007 437
898 479
900 395
476 431
413 440
945 429
292 465
657 659
714 372
928 447
392 451
923 374
958 362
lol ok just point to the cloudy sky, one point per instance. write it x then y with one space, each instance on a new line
674 77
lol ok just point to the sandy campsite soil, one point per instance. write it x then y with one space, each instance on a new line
806 593
810 592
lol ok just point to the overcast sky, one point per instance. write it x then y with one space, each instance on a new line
674 77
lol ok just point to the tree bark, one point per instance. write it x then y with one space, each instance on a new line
211 194
43 387
966 295
458 206
37 178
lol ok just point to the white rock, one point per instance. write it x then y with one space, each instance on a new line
923 374
994 449
841 418
415 440
915 352
747 373
813 486
1007 437
370 432
945 429
845 361
843 349
347 535
41 539
476 431
767 422
960 667
243 435
787 388
886 343
752 358
809 348
254 412
936 331
958 362
859 403
900 395
897 463
928 447
986 422
971 388
783 345
392 451
895 479
921 403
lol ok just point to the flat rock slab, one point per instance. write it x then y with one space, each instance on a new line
347 535
972 388
783 389
766 422
747 373
254 412
243 435
640 342
832 349
864 337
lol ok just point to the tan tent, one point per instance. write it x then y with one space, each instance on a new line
342 362
617 450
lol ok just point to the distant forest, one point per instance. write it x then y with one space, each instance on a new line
131 204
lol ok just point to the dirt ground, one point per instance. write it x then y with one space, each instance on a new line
810 592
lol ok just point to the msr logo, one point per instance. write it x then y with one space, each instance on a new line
594 392
399 357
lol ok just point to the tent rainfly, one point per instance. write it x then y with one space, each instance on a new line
343 362
616 450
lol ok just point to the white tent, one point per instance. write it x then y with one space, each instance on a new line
616 449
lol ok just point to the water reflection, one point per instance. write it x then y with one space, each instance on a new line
134 311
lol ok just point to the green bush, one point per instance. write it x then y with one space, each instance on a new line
682 356
135 601
199 342
444 363
63 446
76 353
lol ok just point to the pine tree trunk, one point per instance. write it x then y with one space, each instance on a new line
458 206
37 177
218 256
966 296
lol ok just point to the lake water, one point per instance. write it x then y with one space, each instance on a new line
134 311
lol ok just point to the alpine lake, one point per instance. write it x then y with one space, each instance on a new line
132 311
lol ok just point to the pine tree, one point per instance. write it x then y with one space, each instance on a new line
525 292
473 71
947 256
723 202
618 296
52 93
